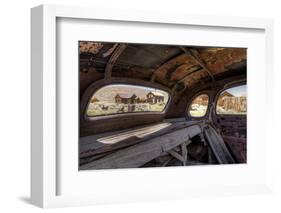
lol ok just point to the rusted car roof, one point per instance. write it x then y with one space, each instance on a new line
173 66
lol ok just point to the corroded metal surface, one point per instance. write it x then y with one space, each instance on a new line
90 47
176 67
217 60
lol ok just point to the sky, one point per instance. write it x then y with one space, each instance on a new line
238 91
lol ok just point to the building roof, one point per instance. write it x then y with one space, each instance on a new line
125 95
156 93
225 93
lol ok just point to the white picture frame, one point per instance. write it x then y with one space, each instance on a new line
45 151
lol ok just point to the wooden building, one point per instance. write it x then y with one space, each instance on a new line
154 97
125 99
229 102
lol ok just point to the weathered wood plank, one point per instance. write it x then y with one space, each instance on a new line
140 133
218 146
176 155
139 154
184 153
84 153
166 162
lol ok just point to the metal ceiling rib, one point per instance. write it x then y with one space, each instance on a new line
113 58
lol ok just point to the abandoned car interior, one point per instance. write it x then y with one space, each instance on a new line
148 105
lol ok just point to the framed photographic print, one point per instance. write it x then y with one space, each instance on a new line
137 106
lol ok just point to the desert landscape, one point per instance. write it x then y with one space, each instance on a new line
126 98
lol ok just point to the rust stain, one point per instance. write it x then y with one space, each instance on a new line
174 69
182 70
195 78
90 47
216 60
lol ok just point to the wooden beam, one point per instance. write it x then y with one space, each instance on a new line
217 145
176 155
184 152
166 162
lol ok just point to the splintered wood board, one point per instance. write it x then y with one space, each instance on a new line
139 154
92 143
218 146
